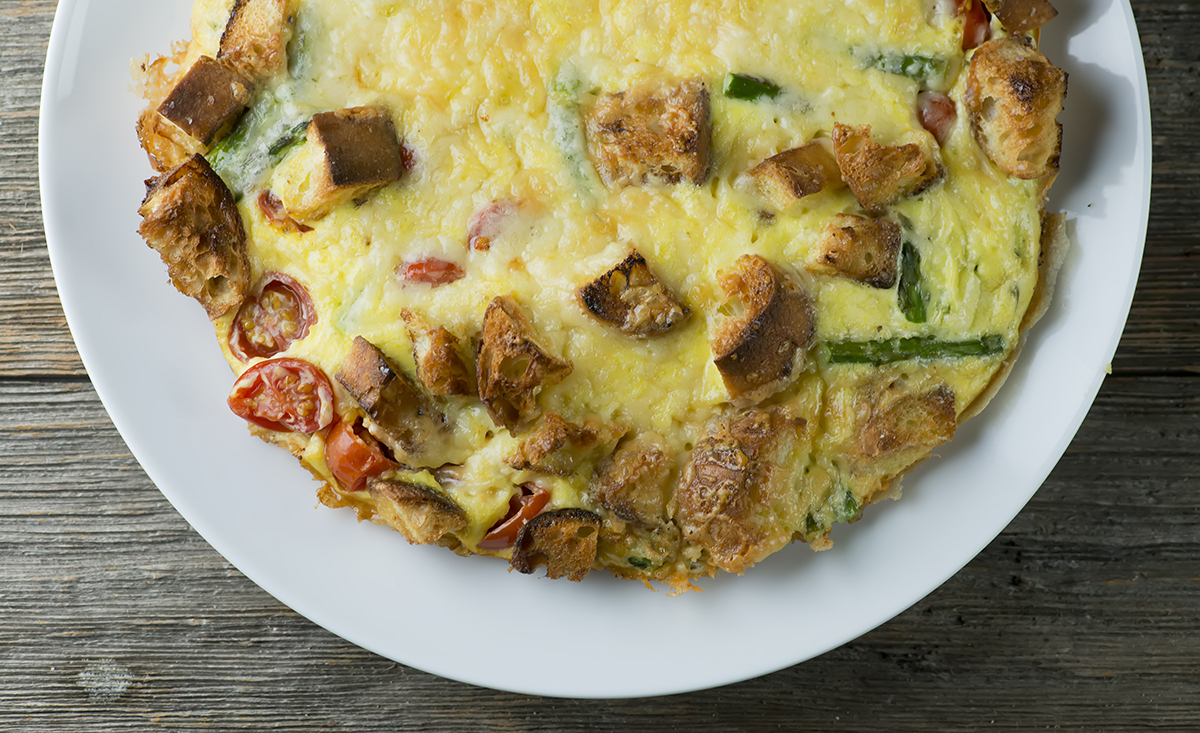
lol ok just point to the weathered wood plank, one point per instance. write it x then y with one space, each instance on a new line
116 614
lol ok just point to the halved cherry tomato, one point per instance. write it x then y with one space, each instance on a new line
284 395
977 28
938 114
489 222
270 322
521 508
272 209
353 455
431 271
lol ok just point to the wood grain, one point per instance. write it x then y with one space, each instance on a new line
115 615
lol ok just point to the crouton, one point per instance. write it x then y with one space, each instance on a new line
189 217
658 135
440 365
763 344
555 446
564 540
728 488
900 422
512 367
794 174
1021 16
633 300
256 37
858 248
418 512
1013 96
880 175
207 100
398 407
634 483
349 153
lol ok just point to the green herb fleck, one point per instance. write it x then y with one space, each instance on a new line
741 86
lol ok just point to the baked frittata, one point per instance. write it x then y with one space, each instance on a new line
653 287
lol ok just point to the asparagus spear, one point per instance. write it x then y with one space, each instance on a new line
911 294
903 349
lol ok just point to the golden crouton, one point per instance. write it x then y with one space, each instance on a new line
794 174
202 105
189 217
657 135
1013 96
418 512
349 153
901 422
511 366
633 300
565 540
440 365
880 175
557 447
256 37
390 398
858 248
762 345
727 489
1021 16
634 483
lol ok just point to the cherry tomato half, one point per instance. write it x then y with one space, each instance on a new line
431 271
521 508
353 455
270 322
977 28
284 395
938 114
274 212
489 222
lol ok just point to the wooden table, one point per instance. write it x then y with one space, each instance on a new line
1084 613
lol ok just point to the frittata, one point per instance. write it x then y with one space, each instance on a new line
653 287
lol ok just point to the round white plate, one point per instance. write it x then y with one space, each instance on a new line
151 356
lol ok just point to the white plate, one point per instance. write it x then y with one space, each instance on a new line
151 356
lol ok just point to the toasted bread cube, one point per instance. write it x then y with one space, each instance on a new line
512 367
858 248
762 345
1021 16
564 540
635 482
189 217
557 447
730 490
794 174
207 100
256 37
389 398
349 153
880 175
418 512
634 301
902 422
440 365
659 135
1014 94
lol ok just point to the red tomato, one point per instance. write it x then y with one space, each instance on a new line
521 508
431 271
353 455
270 322
489 222
272 208
977 28
938 114
284 395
